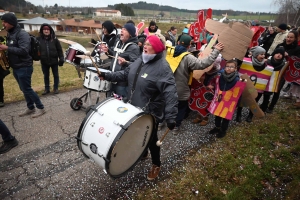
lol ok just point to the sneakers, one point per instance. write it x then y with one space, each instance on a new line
45 92
8 145
154 171
197 120
176 130
38 113
27 112
55 91
215 130
2 104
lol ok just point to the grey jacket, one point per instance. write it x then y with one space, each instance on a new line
186 66
155 83
18 48
131 53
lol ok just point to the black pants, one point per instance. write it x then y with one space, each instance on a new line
276 95
154 149
222 122
183 109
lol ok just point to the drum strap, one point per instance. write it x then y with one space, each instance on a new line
134 81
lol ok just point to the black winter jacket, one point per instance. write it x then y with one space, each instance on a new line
18 42
50 48
156 82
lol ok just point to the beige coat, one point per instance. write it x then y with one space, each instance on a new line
277 40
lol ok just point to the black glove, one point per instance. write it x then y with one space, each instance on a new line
102 74
61 62
171 125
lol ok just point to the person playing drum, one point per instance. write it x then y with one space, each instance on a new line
150 84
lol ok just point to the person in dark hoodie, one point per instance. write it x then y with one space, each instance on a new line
124 53
268 39
51 56
18 53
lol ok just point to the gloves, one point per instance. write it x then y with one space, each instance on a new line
61 62
171 125
102 75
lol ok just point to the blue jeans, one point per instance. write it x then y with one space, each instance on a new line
120 90
5 133
23 77
46 72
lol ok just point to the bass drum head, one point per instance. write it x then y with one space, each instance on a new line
127 149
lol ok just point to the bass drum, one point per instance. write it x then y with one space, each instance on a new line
115 135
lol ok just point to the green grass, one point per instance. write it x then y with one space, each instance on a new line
260 160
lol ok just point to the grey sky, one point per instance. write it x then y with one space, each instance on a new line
240 5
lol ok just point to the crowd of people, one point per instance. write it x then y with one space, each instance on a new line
141 73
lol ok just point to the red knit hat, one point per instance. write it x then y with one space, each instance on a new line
157 45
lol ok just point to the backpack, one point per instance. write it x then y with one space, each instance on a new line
35 47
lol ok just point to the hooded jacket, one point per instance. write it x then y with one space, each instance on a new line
155 81
50 48
18 52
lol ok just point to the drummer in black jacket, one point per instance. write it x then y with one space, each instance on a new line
51 56
154 87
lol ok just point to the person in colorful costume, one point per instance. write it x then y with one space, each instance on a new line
227 81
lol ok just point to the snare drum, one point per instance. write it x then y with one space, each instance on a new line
115 135
93 82
72 52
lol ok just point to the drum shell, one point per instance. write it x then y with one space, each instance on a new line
121 145
93 82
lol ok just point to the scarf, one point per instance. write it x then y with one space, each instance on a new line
229 77
147 57
257 65
276 64
172 37
179 49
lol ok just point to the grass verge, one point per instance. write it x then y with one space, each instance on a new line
259 160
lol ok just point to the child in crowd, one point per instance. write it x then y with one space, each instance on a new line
227 80
259 64
277 61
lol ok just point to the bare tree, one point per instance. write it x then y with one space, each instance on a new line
289 11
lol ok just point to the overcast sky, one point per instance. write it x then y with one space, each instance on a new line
240 5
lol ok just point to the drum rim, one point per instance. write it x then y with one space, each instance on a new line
117 139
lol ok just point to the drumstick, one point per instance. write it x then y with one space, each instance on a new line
88 53
97 35
159 142
92 43
115 57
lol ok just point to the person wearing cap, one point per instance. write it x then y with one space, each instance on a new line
151 85
51 56
281 35
277 61
18 52
187 64
125 51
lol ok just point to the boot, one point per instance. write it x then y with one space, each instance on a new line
239 114
297 104
198 119
215 130
249 118
221 134
204 122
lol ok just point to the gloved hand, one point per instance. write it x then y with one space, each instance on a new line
171 125
61 62
102 75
